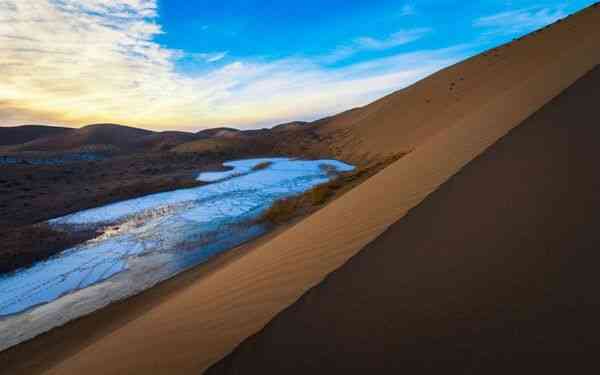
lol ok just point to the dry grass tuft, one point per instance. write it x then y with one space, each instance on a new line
263 165
287 209
321 193
282 210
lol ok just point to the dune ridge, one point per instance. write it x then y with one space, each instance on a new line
493 273
402 121
196 327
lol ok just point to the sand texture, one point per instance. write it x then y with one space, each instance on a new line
493 273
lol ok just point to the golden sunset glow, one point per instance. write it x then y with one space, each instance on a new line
80 62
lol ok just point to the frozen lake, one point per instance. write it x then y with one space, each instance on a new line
149 239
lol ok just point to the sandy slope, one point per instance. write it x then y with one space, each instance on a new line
493 273
405 119
192 329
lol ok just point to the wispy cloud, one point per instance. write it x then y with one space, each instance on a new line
210 57
83 61
408 10
394 40
520 20
366 43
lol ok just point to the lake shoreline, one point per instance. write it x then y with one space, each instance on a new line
145 241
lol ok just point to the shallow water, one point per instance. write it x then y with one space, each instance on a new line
149 239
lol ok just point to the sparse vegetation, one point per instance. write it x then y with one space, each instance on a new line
282 210
287 209
25 245
320 194
263 165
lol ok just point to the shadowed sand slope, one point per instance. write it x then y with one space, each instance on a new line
192 329
494 273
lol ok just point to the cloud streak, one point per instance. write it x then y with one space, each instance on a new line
366 43
408 10
210 57
83 61
520 20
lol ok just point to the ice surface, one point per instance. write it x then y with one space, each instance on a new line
184 227
74 269
238 167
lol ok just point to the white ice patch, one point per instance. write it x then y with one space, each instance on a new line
282 173
238 167
74 269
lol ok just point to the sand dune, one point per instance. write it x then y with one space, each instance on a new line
493 273
100 134
122 138
405 119
221 132
164 140
444 129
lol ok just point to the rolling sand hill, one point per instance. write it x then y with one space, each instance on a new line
15 135
293 139
164 140
109 136
444 126
493 273
218 133
99 134
125 139
290 126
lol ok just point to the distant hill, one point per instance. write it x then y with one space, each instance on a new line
165 140
99 134
15 135
294 138
294 125
106 136
126 139
221 132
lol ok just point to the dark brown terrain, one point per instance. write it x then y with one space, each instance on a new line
52 177
15 135
494 273
30 194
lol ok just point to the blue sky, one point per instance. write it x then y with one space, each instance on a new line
177 64
222 31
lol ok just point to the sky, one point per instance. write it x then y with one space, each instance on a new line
189 65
